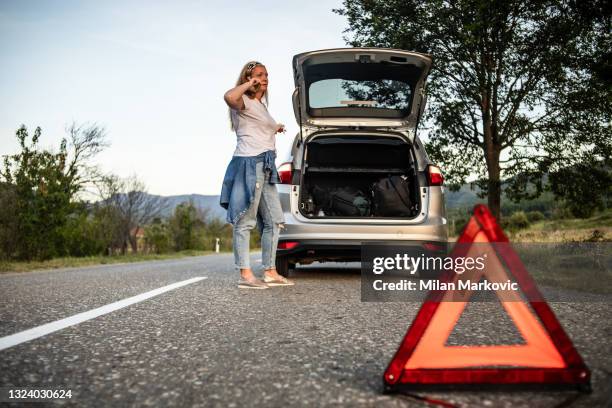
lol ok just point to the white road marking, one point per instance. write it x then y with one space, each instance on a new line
39 331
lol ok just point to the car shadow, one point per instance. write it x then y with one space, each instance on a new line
328 270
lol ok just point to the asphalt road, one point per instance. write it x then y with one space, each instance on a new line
210 344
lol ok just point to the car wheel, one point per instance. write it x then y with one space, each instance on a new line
283 267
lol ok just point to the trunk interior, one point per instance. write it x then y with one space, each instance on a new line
343 170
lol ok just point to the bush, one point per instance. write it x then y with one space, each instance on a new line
517 221
456 226
216 228
187 227
8 223
80 237
596 236
562 213
158 238
534 216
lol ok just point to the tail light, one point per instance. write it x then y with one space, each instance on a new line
435 175
284 172
287 244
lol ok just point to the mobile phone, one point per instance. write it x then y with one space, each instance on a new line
254 87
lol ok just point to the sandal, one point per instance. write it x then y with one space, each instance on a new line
280 281
252 284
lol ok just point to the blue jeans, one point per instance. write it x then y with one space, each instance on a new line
267 203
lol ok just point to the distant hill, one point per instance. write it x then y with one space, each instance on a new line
464 198
204 202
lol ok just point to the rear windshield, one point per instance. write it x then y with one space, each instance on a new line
360 89
343 93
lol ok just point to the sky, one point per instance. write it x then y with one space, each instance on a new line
153 74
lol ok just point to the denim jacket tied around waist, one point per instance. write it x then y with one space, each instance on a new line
238 188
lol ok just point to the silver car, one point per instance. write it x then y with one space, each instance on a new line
358 110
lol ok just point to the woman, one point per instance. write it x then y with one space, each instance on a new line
249 192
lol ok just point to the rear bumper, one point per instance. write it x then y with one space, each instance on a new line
322 250
432 227
435 229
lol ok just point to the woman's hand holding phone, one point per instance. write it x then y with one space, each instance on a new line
281 128
254 84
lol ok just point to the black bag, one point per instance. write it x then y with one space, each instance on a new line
341 201
391 197
322 199
349 202
308 206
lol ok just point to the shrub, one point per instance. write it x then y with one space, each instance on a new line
457 225
158 238
518 221
8 223
80 236
562 213
534 216
187 227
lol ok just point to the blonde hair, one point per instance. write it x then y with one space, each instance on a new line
245 72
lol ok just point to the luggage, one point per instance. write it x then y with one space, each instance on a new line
349 202
391 197
388 197
321 198
341 201
308 206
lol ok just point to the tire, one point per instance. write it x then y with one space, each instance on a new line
284 267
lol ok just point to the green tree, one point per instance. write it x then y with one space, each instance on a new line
586 187
158 237
187 227
43 186
107 226
43 195
82 235
216 228
8 222
516 88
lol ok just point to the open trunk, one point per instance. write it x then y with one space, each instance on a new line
343 170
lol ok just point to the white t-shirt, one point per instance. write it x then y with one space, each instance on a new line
255 128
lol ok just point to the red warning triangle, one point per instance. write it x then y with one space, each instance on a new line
548 357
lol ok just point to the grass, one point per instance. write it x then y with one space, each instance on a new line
568 230
67 262
567 235
565 230
603 219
